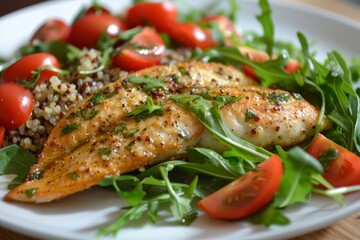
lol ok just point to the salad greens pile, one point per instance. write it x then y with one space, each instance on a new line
176 185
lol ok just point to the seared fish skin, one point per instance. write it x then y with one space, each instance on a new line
112 143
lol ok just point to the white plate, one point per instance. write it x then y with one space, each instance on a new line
79 216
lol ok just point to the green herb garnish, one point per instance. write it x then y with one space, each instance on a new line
30 192
329 155
249 114
130 132
148 83
15 160
147 109
69 128
104 152
73 175
121 127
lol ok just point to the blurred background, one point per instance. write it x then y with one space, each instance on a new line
349 8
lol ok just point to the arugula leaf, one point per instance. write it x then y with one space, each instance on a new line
299 167
180 204
15 160
210 117
64 52
147 109
267 25
270 72
269 215
340 102
105 41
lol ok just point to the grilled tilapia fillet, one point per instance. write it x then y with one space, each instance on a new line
267 118
122 96
154 139
277 118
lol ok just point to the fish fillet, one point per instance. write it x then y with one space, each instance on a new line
80 159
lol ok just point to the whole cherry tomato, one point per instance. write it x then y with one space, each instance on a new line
161 15
86 31
192 35
52 30
16 105
23 69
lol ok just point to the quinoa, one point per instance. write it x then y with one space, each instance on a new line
54 98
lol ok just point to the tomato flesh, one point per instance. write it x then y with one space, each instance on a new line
161 15
86 31
344 170
246 195
145 49
2 133
52 30
16 105
23 68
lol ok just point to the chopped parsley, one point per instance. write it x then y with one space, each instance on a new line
73 175
30 192
276 98
69 128
148 83
129 146
131 132
104 152
101 95
121 127
147 109
329 155
249 114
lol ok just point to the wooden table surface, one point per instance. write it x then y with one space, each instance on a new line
345 229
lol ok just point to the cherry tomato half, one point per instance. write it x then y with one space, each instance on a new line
23 68
86 31
191 35
2 133
145 49
161 15
52 30
342 171
16 105
247 194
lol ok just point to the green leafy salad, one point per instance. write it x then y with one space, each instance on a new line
182 186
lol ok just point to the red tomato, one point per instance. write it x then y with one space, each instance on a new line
161 15
22 68
292 66
2 133
247 194
86 31
344 170
226 26
260 56
95 9
145 49
52 30
191 35
16 105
